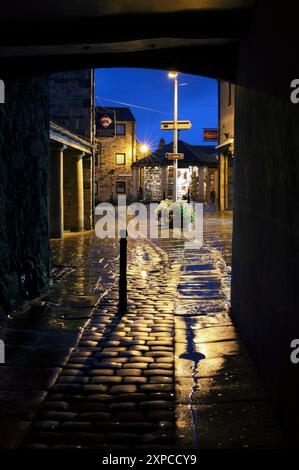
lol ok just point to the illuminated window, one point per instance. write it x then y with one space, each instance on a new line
120 159
120 129
120 187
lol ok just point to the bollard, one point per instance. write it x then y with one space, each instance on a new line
122 300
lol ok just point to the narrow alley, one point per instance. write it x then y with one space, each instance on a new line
170 372
176 121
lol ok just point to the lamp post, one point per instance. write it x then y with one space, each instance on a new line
174 76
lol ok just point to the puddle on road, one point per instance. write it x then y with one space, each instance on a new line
192 355
198 313
204 295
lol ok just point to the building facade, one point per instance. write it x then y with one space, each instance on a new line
72 101
115 154
226 144
70 194
197 174
72 151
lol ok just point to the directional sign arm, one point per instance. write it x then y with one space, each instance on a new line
181 125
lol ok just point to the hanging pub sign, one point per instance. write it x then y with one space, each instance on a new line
105 123
211 135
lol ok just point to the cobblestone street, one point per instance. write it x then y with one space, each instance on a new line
169 373
118 387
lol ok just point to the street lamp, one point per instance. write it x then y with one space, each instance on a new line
174 76
144 148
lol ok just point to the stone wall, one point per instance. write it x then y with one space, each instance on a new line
265 247
72 107
227 94
71 101
152 184
24 138
226 111
265 303
107 172
88 192
67 191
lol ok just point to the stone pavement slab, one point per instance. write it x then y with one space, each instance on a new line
41 336
29 378
53 338
16 405
26 356
229 426
206 351
219 390
219 400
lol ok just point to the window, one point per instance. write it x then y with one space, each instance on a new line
120 187
120 159
120 129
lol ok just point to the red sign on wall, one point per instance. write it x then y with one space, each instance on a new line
211 135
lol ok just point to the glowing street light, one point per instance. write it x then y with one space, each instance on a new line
144 148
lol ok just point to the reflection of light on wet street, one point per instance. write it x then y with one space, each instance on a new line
85 265
165 281
195 357
218 233
203 301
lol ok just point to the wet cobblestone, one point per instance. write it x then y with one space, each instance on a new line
169 373
112 385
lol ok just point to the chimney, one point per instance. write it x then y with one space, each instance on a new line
162 142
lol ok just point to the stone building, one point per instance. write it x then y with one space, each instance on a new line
71 182
197 173
72 101
115 154
226 144
72 157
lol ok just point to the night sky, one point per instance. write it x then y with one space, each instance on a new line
153 89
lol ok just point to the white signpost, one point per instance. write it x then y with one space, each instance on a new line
181 125
174 156
175 125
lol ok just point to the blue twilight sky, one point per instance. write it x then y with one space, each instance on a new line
152 89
